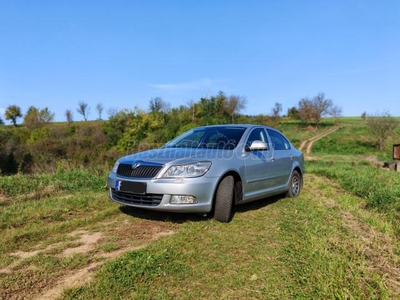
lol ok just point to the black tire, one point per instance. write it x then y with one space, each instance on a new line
295 185
224 200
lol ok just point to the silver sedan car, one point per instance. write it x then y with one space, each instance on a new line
208 170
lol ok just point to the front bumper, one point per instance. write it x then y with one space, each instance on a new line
159 192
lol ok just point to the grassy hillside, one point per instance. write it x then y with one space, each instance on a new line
95 145
353 139
62 237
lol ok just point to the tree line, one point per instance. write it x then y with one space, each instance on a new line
308 110
39 146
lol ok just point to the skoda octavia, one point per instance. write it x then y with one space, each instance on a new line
209 170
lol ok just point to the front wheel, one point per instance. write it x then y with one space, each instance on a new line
224 200
294 185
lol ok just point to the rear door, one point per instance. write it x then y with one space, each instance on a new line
281 155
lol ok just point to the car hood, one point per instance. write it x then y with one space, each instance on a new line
177 155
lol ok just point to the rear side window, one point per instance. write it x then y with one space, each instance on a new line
279 142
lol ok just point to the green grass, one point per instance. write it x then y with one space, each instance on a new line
24 226
354 138
33 206
304 248
343 141
37 227
297 132
41 229
310 247
33 187
379 187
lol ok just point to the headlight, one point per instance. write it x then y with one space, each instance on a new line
115 168
189 170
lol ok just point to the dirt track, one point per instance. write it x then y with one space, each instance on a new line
307 144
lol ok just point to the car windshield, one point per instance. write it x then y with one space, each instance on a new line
215 137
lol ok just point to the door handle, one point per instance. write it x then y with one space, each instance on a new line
271 158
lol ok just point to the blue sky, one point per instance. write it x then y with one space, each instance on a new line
124 53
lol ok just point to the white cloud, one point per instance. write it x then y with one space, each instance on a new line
2 111
193 85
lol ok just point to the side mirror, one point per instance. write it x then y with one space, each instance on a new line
257 145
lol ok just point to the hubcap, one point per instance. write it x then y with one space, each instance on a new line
295 185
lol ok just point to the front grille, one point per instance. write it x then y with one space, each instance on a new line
142 171
137 199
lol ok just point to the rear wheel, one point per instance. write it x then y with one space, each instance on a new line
294 185
224 200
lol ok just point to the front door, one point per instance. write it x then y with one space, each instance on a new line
259 166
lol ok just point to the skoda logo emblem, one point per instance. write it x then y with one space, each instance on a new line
135 165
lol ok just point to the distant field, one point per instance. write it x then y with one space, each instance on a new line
352 140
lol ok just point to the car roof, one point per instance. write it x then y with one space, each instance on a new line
236 125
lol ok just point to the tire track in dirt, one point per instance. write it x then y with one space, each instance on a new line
131 234
91 241
307 144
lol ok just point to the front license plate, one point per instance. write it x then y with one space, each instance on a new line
131 187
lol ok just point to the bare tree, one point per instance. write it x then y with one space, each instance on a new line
69 116
364 115
157 104
276 111
335 112
233 105
322 107
312 110
381 126
83 109
112 111
306 110
46 116
99 109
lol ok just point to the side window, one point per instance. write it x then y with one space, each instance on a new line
257 134
279 142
